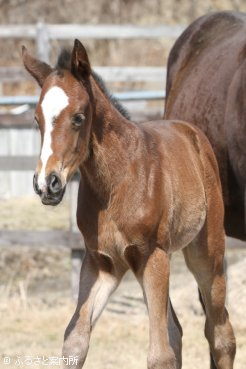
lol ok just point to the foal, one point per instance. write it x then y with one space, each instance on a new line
146 191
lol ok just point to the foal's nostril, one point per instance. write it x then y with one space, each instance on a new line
55 184
35 185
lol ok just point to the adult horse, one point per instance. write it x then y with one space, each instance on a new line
146 191
206 85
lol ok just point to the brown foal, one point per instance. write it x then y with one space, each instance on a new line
146 191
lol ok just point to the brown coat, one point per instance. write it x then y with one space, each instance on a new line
206 85
146 191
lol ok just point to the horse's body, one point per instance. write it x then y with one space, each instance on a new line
146 191
206 82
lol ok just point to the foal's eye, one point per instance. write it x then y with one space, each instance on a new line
77 120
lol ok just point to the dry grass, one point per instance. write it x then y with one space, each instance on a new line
35 303
35 318
28 213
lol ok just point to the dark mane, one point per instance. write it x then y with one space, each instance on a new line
64 62
115 102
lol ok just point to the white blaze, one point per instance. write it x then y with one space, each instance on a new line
54 101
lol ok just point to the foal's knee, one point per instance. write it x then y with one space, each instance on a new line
165 360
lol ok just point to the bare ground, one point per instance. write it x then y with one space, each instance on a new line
36 308
36 305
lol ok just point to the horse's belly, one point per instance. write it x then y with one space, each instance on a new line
188 211
186 226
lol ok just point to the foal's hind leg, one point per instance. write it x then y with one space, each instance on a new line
205 258
153 276
212 363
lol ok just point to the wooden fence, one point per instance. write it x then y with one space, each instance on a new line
43 34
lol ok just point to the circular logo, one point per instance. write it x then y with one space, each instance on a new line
6 360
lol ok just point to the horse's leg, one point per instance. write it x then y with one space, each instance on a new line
175 334
212 363
205 258
154 279
96 286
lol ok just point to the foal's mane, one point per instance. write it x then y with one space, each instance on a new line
64 62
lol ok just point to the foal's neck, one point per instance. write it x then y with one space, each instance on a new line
112 146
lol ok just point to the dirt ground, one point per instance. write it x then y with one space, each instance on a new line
36 305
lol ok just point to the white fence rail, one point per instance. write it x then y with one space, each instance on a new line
89 31
109 74
43 33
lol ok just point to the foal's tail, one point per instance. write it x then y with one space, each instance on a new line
212 363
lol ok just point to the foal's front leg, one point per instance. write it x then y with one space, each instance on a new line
96 286
154 279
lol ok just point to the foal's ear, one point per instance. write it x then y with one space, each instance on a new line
80 65
38 69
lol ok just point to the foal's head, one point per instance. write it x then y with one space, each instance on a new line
64 116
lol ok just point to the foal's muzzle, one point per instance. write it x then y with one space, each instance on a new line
53 192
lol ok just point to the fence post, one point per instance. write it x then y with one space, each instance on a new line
43 42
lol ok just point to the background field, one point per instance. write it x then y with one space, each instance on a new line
36 302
